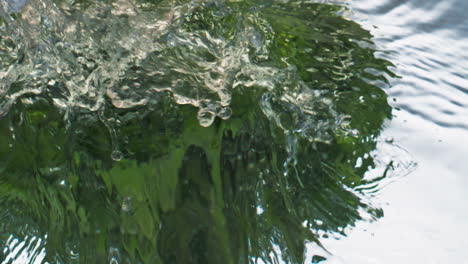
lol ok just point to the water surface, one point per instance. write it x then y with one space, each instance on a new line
426 212
225 131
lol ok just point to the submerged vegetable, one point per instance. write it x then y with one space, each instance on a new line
185 131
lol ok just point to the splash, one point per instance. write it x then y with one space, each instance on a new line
89 56
256 120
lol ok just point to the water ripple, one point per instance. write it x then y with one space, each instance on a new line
428 43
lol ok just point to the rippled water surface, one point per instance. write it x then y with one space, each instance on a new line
198 131
425 213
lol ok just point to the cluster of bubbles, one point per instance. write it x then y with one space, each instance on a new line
92 55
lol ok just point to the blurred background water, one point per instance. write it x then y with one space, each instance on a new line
415 52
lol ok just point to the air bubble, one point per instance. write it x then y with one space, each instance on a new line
225 113
116 155
127 204
206 118
74 255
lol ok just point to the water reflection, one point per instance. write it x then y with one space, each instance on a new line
428 41
158 173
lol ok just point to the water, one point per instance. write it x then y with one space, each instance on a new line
425 215
232 131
